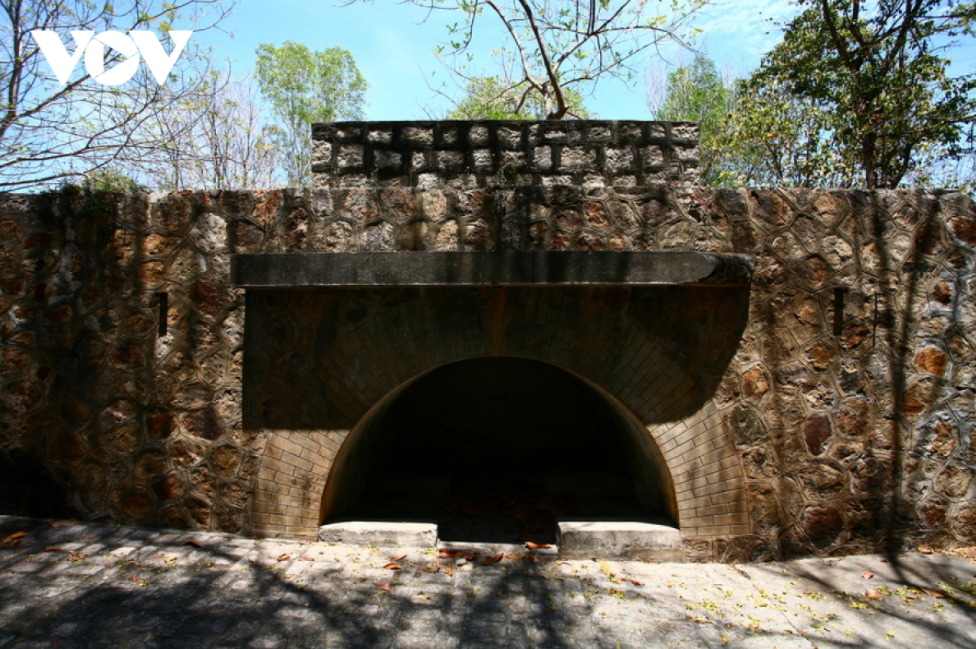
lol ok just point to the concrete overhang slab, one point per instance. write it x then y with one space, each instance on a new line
489 268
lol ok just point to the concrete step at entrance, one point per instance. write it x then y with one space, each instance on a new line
575 538
381 534
622 539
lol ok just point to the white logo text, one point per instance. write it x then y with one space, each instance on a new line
93 47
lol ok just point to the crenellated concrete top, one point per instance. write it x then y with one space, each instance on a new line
471 154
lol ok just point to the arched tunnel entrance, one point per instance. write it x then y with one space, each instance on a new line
497 449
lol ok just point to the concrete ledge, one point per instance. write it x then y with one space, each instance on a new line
381 534
489 268
627 540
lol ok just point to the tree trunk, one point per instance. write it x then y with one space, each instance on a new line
868 150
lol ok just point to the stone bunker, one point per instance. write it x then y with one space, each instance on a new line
502 331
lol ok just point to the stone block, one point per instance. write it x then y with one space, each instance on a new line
351 155
509 137
322 152
652 157
450 159
482 159
577 157
478 135
381 534
387 159
381 136
542 157
418 136
622 540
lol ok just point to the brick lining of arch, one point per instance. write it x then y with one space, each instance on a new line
318 360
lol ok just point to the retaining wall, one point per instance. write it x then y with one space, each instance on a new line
841 412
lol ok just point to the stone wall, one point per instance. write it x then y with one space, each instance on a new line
843 418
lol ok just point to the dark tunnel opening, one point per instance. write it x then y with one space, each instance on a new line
496 450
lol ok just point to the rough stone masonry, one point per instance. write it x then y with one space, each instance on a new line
825 406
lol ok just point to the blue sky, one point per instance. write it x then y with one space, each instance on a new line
393 46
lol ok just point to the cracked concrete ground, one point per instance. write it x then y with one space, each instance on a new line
89 585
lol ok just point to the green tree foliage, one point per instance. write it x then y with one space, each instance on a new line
875 73
554 45
303 87
492 98
771 137
958 171
697 93
50 132
109 179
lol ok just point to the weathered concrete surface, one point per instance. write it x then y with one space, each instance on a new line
90 585
618 540
483 268
381 534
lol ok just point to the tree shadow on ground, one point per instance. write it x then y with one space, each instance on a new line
131 586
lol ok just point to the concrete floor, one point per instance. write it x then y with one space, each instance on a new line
90 585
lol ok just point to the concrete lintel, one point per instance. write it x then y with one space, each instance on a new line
381 534
626 540
489 268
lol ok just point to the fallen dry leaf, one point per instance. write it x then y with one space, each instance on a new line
467 555
399 557
637 582
52 548
284 557
867 574
195 544
924 549
532 545
934 593
392 566
386 587
969 553
872 593
13 540
64 523
490 560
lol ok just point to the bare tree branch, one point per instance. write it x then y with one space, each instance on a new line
50 131
564 43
